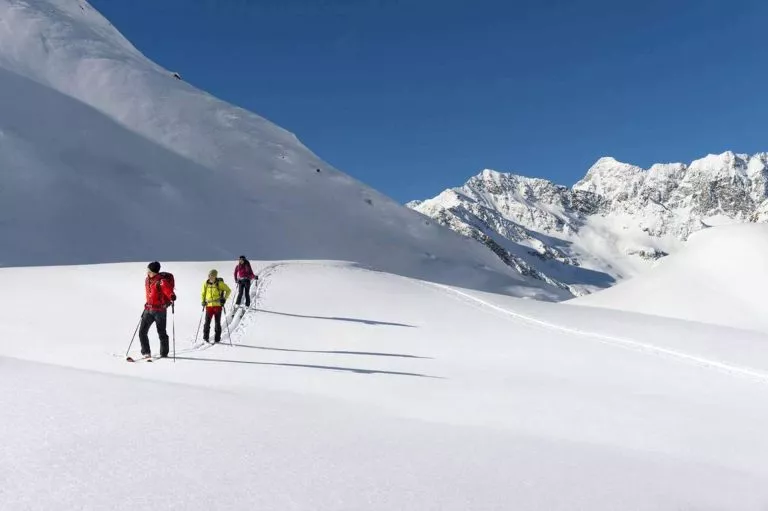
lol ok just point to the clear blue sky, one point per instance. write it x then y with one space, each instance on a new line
413 96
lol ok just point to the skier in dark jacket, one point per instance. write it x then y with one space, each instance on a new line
159 291
243 276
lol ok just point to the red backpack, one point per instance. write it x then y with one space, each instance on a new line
169 282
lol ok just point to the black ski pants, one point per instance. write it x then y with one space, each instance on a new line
159 319
244 288
212 312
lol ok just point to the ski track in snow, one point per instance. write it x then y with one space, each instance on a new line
625 343
258 294
238 322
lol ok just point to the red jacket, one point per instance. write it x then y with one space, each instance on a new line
158 294
244 271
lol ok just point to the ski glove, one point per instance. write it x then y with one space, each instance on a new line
222 301
203 304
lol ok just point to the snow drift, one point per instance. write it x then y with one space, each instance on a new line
106 157
720 276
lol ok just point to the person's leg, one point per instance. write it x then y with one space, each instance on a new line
161 318
207 324
239 292
247 287
217 315
146 321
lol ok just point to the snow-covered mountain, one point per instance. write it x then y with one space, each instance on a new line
612 224
105 157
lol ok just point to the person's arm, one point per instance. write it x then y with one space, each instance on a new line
202 295
225 289
167 291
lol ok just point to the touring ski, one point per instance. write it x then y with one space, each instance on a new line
142 359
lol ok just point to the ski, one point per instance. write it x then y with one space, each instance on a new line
143 359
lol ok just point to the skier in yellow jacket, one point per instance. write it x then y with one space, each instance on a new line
214 295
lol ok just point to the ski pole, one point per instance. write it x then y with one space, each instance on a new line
173 320
229 332
134 334
199 323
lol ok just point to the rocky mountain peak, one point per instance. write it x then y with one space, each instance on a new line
613 223
612 179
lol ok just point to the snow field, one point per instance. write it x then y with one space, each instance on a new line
351 389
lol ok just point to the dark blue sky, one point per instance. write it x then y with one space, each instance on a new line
413 96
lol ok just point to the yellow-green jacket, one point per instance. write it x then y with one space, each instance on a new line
213 293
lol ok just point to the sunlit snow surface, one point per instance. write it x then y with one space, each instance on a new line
344 388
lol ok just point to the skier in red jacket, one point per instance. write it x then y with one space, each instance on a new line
159 291
243 276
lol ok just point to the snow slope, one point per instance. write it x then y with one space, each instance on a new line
105 157
720 276
352 389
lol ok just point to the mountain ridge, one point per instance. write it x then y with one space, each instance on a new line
644 213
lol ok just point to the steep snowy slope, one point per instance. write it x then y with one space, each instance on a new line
613 224
720 276
104 156
388 393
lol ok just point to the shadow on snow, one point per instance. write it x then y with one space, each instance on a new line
309 366
334 352
351 320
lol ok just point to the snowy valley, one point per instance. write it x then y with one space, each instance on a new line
387 362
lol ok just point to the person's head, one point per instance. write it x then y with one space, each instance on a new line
213 275
241 260
153 268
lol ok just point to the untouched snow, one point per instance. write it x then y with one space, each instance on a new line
105 157
720 276
353 389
